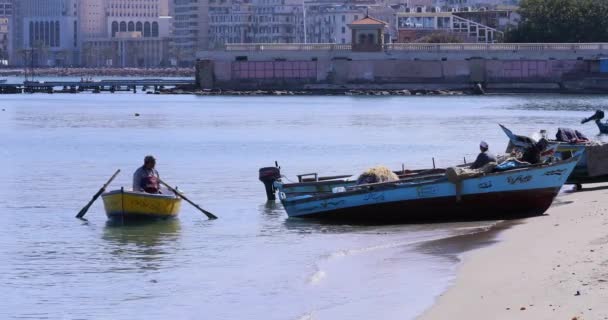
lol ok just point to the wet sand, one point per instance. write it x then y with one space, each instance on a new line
549 267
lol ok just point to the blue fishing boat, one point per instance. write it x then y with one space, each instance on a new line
523 191
584 172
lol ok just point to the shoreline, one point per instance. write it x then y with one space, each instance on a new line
553 266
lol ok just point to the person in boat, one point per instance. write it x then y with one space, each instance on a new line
533 153
145 178
484 157
570 136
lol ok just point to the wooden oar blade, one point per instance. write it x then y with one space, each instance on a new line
209 215
84 210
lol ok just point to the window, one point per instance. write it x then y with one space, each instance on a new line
146 29
114 28
155 29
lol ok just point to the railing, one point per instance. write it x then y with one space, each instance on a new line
495 46
427 47
288 47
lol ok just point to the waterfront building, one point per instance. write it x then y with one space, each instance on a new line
190 29
46 32
127 33
326 23
367 35
473 4
413 26
499 17
255 21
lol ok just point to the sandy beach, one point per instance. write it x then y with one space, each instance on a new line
549 267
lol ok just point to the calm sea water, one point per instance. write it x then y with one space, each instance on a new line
253 263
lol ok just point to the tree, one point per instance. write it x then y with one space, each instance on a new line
561 21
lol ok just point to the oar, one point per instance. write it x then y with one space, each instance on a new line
86 208
209 215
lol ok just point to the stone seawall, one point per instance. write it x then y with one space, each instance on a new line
548 69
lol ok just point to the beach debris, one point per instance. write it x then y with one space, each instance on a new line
578 293
522 308
136 114
377 174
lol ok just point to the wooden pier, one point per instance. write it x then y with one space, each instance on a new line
92 86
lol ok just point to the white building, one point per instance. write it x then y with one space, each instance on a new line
125 33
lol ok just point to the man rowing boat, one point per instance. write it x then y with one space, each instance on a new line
145 179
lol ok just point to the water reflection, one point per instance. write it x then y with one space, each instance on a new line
147 243
271 208
551 104
305 226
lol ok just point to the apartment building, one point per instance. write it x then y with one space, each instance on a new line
190 29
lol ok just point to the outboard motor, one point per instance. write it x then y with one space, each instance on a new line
268 175
599 115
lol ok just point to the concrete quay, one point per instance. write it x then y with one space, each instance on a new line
503 67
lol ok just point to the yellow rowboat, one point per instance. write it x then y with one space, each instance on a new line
132 205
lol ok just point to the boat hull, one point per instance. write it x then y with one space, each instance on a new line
514 193
505 205
135 205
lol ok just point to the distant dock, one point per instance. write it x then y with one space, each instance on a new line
92 86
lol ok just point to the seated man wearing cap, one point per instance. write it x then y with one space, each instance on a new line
145 179
484 157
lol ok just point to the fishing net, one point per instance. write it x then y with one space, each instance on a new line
376 175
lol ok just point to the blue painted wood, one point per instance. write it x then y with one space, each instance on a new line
523 179
604 65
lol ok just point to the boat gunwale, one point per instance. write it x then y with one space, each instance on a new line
315 183
141 194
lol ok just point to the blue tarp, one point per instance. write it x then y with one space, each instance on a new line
604 65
